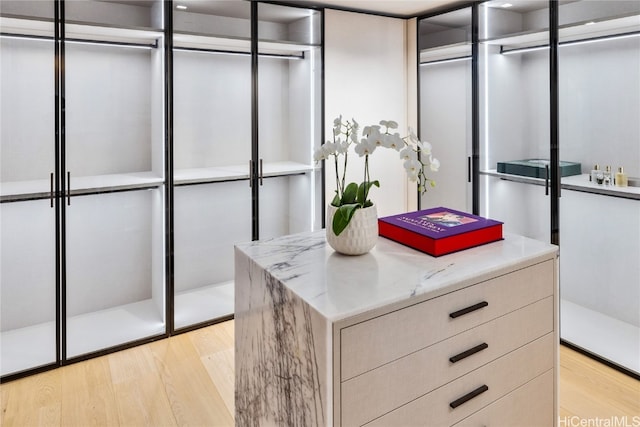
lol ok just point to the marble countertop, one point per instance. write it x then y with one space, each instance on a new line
339 286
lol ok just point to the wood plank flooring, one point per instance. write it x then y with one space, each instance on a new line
187 380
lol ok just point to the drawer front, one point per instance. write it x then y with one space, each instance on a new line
374 393
462 397
532 405
372 343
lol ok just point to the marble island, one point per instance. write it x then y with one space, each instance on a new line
327 339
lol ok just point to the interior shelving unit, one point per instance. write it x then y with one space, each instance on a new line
120 206
28 285
114 144
526 105
599 232
133 164
445 76
236 179
82 199
580 183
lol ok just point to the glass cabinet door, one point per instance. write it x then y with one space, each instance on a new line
599 106
445 82
113 165
514 115
289 115
211 154
28 298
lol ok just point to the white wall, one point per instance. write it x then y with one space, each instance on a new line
445 122
600 104
600 254
366 78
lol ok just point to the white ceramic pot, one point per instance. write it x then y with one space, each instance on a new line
361 234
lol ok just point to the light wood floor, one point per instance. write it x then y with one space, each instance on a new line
187 380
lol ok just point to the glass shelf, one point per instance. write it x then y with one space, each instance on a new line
27 27
582 183
187 41
237 172
286 168
27 347
568 33
195 41
41 188
113 182
117 325
213 174
460 50
79 31
575 183
24 190
199 305
112 34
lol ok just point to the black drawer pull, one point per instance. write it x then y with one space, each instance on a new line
468 310
467 397
467 353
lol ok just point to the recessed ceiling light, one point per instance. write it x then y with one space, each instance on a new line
590 23
181 7
507 5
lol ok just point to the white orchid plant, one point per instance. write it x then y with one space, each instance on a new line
415 154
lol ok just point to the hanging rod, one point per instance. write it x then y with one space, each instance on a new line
571 42
443 61
237 52
82 41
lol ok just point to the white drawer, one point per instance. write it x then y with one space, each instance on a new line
442 406
372 343
383 389
531 405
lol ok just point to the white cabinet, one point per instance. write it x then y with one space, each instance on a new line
445 99
82 185
212 128
112 163
140 141
242 155
395 337
28 285
492 327
28 210
595 123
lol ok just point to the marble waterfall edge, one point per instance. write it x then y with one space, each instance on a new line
281 353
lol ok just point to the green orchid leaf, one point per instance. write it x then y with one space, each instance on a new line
363 191
350 194
343 216
336 200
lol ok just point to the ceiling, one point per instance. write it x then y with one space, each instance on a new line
400 8
390 7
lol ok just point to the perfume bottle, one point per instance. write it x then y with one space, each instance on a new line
594 173
622 180
607 175
597 175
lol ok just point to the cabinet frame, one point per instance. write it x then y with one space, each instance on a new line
61 193
555 34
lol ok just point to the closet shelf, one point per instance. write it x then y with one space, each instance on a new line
76 30
237 172
41 188
117 325
574 183
28 27
458 50
191 41
570 32
79 31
